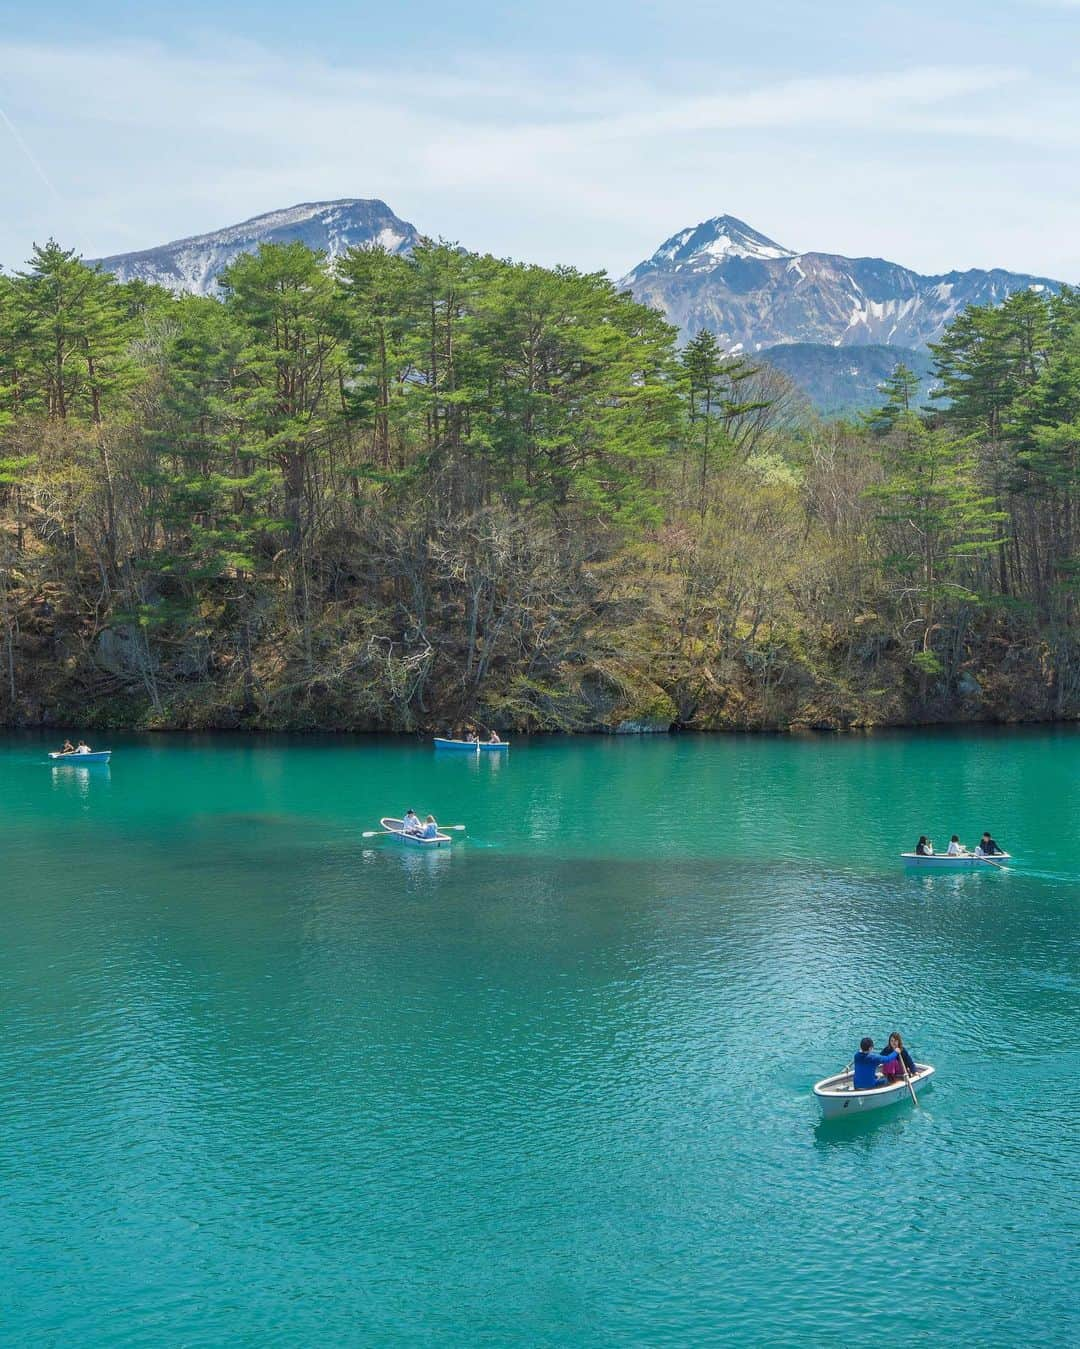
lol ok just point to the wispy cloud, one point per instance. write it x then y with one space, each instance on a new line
28 154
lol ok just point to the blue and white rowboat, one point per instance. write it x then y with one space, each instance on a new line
395 828
472 746
77 759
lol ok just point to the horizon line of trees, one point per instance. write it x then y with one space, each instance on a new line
391 490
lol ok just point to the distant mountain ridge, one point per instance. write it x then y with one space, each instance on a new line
842 381
754 293
194 264
757 296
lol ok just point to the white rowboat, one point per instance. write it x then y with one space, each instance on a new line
475 746
395 829
967 859
95 756
837 1096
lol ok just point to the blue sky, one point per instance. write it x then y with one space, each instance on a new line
940 134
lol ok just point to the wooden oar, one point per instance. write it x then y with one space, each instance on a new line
987 858
907 1079
378 833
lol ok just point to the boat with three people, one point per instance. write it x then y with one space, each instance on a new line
946 861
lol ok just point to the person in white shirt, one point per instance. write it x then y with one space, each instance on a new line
411 823
83 748
956 848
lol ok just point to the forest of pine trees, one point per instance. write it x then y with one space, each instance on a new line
398 493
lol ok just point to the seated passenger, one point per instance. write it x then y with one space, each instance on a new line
430 829
896 1068
923 848
867 1063
83 748
956 848
493 738
986 846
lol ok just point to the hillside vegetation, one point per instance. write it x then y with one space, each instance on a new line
406 492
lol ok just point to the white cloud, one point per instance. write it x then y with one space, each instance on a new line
594 168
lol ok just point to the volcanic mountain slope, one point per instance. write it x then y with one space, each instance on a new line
194 264
754 293
843 381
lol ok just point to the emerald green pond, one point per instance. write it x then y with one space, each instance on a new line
265 1082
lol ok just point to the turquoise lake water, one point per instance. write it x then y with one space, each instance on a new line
264 1082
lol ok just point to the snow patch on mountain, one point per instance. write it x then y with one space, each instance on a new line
194 264
708 245
753 293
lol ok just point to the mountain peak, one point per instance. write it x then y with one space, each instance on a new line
752 293
194 264
709 245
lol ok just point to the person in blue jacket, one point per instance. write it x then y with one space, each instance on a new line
867 1063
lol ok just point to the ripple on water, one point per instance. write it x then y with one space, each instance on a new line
263 1082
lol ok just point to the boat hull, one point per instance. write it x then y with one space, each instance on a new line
472 746
837 1096
78 760
392 827
943 862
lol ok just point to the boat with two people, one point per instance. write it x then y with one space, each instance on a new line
873 1081
80 754
409 829
472 743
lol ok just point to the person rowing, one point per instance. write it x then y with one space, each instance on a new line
410 824
69 748
891 1071
987 847
866 1064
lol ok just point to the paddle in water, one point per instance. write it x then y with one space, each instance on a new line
378 833
907 1079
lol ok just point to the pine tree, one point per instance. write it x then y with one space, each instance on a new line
713 381
288 392
939 521
899 392
74 331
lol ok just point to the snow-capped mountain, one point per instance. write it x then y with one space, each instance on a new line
333 226
701 248
754 293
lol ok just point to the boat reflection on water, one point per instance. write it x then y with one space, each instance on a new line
418 862
869 1129
949 883
77 779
